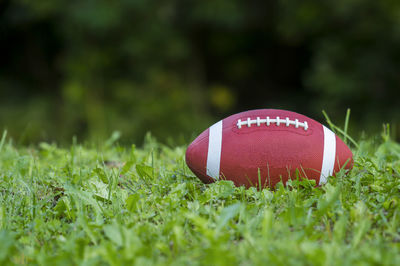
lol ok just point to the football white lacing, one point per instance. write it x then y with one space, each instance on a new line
268 121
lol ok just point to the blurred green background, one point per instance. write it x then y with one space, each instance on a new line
88 68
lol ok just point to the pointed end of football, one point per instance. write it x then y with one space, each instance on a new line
344 156
196 157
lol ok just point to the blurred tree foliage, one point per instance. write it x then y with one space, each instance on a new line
90 67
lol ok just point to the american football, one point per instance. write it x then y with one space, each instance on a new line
263 147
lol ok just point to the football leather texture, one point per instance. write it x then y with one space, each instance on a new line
266 146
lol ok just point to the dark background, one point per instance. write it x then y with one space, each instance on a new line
174 67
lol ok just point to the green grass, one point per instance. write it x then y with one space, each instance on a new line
112 205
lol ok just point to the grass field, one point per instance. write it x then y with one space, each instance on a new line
113 205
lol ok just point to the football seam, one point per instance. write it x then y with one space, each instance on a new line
268 121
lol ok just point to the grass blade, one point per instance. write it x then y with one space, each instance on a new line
346 124
3 139
336 129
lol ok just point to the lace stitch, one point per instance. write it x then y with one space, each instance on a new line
287 122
